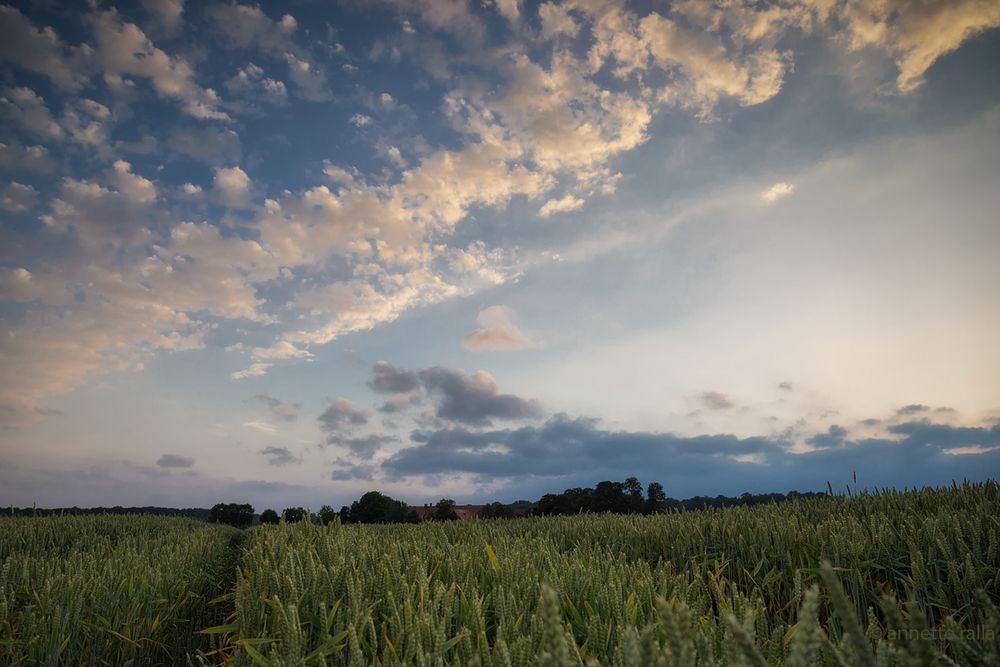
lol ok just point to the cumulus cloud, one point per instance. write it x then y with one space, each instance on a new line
342 415
248 27
37 49
280 456
387 379
26 108
122 48
473 399
251 82
496 331
777 191
232 186
365 446
17 197
14 156
175 461
166 14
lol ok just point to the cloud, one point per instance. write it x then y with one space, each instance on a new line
714 400
473 399
309 79
777 191
834 437
122 48
912 409
563 205
27 109
174 461
341 415
263 427
387 379
496 331
167 14
263 356
785 386
37 49
915 34
17 197
365 446
250 82
282 349
556 20
450 16
578 451
279 410
255 369
232 186
280 456
360 120
248 27
217 147
26 158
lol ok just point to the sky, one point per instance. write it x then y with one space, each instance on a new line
291 252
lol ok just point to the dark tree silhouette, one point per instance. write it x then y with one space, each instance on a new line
234 514
294 514
374 507
269 516
444 511
656 498
633 492
326 515
497 511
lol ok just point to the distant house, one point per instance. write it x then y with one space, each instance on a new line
463 511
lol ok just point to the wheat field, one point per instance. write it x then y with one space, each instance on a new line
887 578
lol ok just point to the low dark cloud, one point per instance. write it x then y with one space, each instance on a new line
399 403
279 410
280 456
341 414
785 386
715 400
565 452
391 380
833 437
473 399
364 446
347 470
175 461
912 409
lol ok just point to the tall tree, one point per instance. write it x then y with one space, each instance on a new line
294 514
656 498
374 507
633 491
444 511
326 515
235 514
269 516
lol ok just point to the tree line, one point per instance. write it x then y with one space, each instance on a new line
626 497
